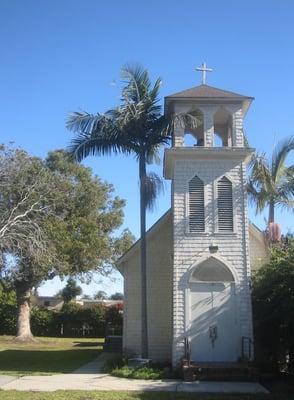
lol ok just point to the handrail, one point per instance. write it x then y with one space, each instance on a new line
249 341
187 346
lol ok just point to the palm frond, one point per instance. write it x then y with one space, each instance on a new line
153 187
260 172
82 121
137 83
257 196
286 204
103 138
186 120
280 153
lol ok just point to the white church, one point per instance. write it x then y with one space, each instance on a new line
202 251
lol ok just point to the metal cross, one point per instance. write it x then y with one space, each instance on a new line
204 69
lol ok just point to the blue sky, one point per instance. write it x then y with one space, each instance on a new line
59 56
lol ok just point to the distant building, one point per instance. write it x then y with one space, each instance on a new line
56 303
49 302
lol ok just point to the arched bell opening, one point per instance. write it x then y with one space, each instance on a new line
194 136
222 121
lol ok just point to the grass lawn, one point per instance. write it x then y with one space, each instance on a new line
81 395
48 356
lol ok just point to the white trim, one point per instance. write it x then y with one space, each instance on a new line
216 257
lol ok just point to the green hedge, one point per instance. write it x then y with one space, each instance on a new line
71 321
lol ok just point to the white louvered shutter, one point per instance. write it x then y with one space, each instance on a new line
196 205
225 205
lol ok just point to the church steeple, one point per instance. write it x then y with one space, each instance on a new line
220 114
209 206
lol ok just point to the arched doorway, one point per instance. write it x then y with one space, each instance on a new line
213 327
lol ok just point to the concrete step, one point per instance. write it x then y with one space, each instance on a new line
220 372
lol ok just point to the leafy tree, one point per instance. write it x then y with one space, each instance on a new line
271 182
100 295
74 227
71 290
117 296
135 127
24 183
273 307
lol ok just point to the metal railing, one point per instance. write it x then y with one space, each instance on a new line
187 346
247 345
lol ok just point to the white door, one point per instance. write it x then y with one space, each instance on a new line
213 327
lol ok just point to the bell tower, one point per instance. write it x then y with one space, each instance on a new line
211 271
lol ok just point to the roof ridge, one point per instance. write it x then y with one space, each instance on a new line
207 91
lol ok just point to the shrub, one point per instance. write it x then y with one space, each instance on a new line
76 321
273 309
114 315
43 322
139 373
72 321
8 310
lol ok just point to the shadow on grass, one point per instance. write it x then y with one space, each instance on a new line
26 362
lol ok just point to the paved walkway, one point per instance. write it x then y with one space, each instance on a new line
91 377
4 379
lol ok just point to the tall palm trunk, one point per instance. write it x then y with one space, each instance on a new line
23 328
271 213
144 323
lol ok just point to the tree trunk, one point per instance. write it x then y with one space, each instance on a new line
271 214
23 294
144 323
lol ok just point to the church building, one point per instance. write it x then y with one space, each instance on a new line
200 254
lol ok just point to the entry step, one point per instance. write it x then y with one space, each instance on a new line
220 372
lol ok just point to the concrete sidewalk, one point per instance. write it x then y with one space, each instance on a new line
4 379
91 377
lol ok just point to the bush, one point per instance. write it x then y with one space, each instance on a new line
8 309
273 310
139 373
72 321
43 322
114 315
118 367
76 321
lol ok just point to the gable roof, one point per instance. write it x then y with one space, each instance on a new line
150 232
207 92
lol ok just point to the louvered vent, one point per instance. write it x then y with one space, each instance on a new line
225 205
196 205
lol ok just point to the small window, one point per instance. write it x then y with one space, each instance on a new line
196 205
225 205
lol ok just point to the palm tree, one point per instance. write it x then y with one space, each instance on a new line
136 127
271 182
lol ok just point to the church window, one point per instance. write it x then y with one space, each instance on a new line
225 205
196 205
